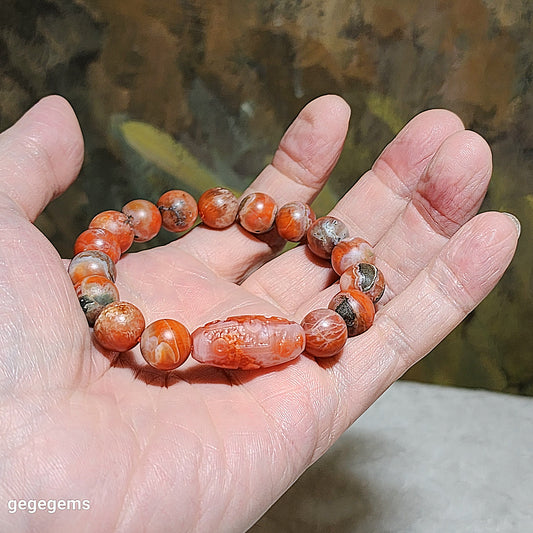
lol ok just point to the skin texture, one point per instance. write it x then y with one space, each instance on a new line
191 454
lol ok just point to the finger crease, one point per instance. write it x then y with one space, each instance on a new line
398 342
295 178
451 279
437 219
404 195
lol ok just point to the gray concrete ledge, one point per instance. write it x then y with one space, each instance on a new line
422 459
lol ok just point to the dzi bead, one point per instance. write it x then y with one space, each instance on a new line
293 221
218 207
119 326
324 234
178 210
248 342
90 263
165 344
366 278
348 252
355 308
257 212
145 219
325 332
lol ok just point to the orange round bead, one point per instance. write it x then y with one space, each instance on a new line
218 207
293 221
257 212
349 252
94 293
144 218
324 234
178 210
325 332
165 344
119 326
118 224
89 263
356 308
98 239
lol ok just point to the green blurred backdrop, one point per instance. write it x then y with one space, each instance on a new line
187 93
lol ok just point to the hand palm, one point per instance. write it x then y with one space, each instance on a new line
204 448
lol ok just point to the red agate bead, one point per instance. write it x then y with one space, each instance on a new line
165 344
349 252
324 234
218 207
94 293
145 219
366 278
248 342
178 210
293 221
257 212
98 239
89 263
119 326
325 332
356 308
118 224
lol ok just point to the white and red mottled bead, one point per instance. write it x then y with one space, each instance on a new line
325 332
165 344
91 263
366 278
348 252
356 308
324 234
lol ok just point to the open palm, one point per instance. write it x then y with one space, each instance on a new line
200 448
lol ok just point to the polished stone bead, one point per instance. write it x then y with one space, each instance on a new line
348 252
366 278
94 293
118 224
293 221
257 212
165 344
324 234
89 263
119 326
218 207
178 210
325 332
98 239
356 308
248 342
145 219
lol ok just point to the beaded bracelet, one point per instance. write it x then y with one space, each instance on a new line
238 342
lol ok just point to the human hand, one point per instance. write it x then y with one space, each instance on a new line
202 448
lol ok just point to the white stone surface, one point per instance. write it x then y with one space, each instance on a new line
422 459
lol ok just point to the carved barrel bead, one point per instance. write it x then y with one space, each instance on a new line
248 342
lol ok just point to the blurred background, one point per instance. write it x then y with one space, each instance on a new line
193 93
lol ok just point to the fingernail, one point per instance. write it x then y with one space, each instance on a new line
515 221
